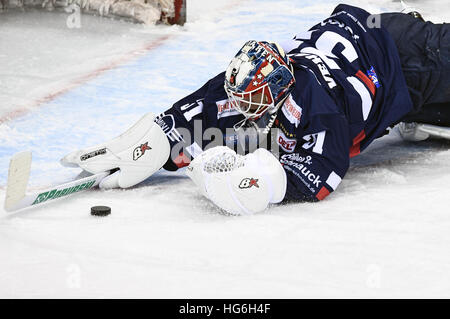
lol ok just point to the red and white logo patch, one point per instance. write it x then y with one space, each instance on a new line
292 111
287 144
140 150
248 183
225 108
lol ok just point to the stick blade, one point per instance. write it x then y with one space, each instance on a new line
18 175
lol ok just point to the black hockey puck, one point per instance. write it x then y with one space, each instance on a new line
100 210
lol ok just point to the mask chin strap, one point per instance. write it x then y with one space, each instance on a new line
239 124
246 122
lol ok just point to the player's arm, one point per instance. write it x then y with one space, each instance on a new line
147 146
185 122
242 185
320 160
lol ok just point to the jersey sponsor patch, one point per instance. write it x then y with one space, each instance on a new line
318 58
287 144
225 109
292 111
373 76
296 158
300 167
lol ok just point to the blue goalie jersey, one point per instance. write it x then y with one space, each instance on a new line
349 88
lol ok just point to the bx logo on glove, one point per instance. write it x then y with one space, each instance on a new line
248 182
140 150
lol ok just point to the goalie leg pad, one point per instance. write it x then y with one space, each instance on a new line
137 153
419 131
240 185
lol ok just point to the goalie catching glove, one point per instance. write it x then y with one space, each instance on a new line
137 154
240 185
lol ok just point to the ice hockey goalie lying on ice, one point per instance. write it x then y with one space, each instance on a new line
314 102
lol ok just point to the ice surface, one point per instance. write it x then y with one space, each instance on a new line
383 233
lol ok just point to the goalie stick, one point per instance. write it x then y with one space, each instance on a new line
19 172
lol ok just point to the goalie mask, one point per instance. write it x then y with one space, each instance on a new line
258 79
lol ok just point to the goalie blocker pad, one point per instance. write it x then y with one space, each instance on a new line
240 185
137 153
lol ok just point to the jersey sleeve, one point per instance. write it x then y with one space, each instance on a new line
316 168
185 122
